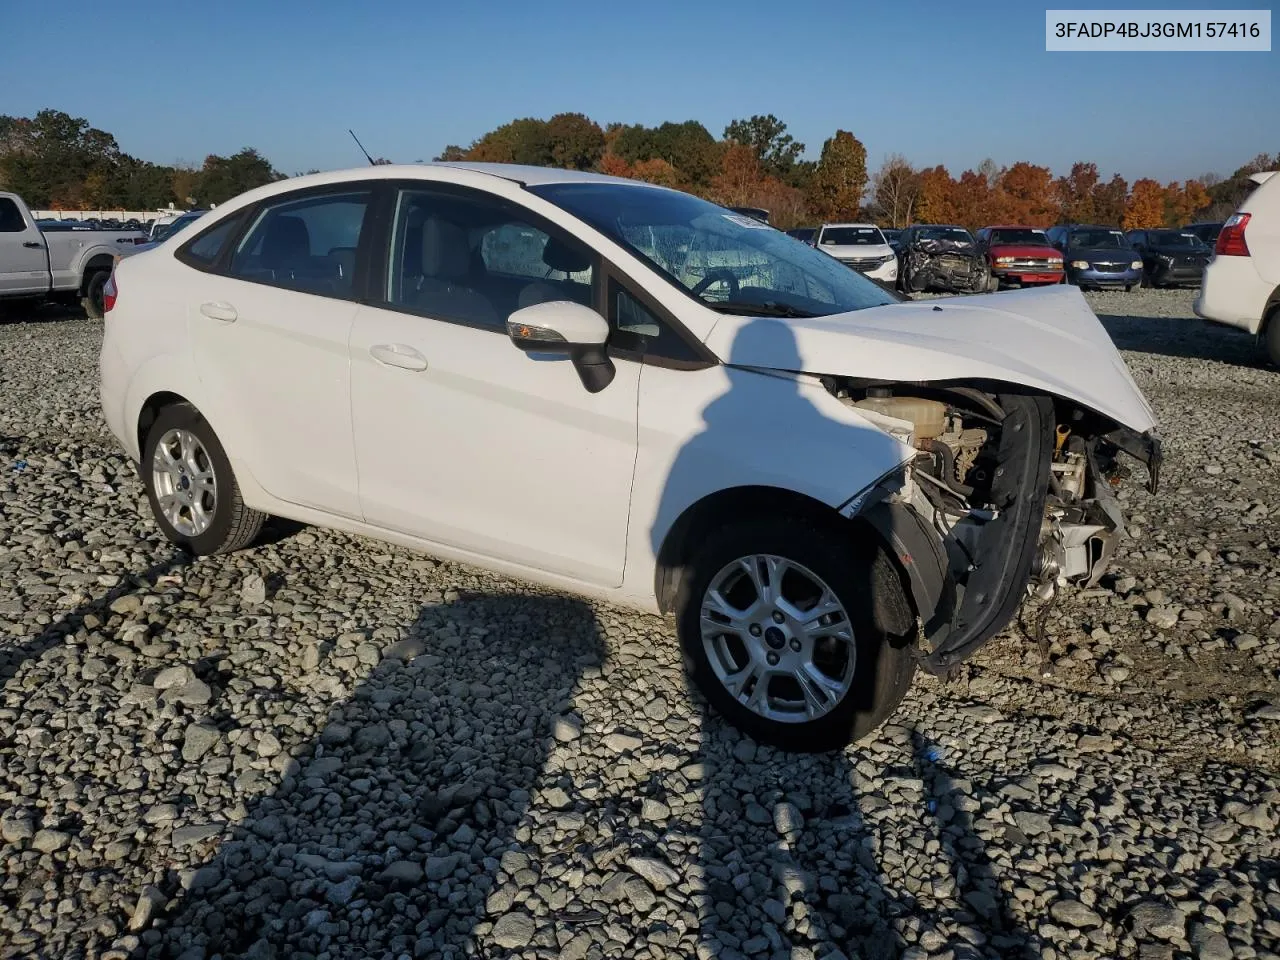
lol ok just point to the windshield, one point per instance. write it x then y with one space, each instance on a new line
724 260
1174 238
1099 239
851 237
1025 237
954 234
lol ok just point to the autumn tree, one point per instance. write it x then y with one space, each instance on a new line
777 150
1075 193
836 188
1145 206
935 202
895 189
525 141
739 176
1027 195
614 166
1182 201
657 171
576 142
972 200
1109 201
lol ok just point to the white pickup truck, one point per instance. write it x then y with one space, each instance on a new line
57 262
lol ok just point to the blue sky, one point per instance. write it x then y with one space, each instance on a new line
941 82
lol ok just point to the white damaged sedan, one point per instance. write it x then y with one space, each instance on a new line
626 392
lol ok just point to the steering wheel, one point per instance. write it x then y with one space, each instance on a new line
712 276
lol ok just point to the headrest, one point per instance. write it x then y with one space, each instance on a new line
286 239
445 251
560 256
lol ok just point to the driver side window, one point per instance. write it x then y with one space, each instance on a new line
469 258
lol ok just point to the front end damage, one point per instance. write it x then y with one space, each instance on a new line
1009 494
946 266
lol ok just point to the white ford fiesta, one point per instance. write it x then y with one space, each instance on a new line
624 391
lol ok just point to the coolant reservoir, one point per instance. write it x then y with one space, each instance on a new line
928 416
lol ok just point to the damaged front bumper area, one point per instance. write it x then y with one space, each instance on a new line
946 266
1010 495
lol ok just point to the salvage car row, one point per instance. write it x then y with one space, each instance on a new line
947 258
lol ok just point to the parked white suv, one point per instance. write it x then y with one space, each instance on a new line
861 246
624 391
1241 284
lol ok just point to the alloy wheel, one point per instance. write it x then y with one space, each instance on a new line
185 485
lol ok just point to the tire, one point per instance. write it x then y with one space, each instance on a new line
92 300
225 523
1271 337
872 599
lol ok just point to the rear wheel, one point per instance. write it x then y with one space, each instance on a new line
795 634
1271 336
191 487
93 294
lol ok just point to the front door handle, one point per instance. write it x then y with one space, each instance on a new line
398 355
219 311
33 244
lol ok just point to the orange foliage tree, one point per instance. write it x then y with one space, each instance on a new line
1145 207
1027 196
1076 192
1183 201
1109 201
973 200
935 202
657 171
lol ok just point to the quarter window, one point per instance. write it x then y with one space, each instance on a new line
11 217
637 330
306 244
476 260
206 248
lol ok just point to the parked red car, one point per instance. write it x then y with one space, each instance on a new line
1020 255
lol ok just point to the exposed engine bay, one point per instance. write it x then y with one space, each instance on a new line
1012 494
948 266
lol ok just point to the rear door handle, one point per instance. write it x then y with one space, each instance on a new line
398 355
33 244
219 311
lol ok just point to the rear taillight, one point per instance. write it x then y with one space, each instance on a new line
1231 239
109 293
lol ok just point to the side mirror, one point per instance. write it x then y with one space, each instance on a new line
562 326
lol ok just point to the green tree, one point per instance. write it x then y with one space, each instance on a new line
690 148
576 141
520 141
50 157
451 153
836 188
778 150
1076 193
222 178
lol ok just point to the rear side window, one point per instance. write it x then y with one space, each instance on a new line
10 217
205 249
304 243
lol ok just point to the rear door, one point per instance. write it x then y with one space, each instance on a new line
24 264
269 327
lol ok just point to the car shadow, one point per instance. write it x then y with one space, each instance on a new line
788 842
419 783
1185 337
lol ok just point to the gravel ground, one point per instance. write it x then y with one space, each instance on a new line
325 747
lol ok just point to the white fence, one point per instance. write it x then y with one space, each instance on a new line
142 215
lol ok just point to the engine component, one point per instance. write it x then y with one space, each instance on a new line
928 417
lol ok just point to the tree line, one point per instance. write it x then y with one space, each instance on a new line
61 162
58 162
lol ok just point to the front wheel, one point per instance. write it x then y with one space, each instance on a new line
795 633
192 490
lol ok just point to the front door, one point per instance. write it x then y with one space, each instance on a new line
461 438
24 265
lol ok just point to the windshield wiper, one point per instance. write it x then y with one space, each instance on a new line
751 308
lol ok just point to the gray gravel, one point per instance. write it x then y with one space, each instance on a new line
327 747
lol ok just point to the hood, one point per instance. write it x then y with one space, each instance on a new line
1202 253
1102 254
1023 251
857 251
936 248
1047 339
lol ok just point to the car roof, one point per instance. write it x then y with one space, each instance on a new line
1013 226
825 225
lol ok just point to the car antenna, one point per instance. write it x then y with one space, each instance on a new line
361 146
